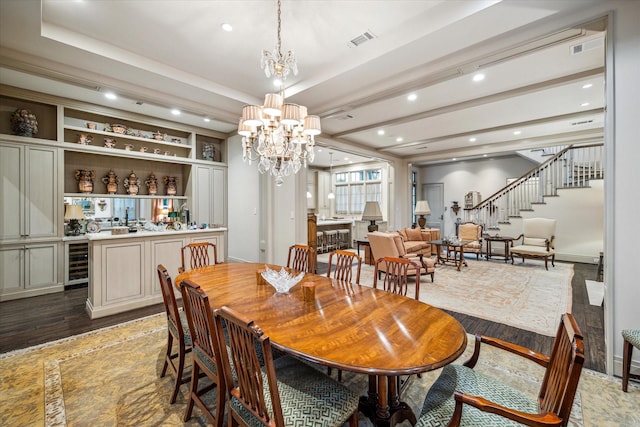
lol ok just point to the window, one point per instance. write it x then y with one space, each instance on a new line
355 188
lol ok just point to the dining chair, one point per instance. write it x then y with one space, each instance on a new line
302 258
396 280
463 396
205 355
396 275
178 330
631 339
200 254
344 265
282 392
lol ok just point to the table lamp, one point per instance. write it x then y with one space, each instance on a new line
372 213
422 209
73 214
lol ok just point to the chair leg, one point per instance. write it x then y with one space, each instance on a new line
168 354
353 419
179 372
432 273
546 265
193 391
626 364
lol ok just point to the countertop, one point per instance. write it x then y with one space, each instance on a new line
106 235
321 223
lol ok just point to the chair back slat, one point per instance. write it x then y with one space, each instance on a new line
563 371
200 318
344 266
169 298
301 258
200 254
396 277
245 338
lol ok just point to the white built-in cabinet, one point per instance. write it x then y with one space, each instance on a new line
323 180
29 217
209 204
28 191
37 174
28 270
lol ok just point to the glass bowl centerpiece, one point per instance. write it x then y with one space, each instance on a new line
281 280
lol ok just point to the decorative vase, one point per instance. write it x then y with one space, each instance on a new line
111 180
152 184
24 123
132 184
171 183
85 180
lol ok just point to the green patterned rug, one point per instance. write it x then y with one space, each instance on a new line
111 377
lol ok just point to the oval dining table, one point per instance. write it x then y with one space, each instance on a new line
346 326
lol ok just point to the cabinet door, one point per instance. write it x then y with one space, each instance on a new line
324 188
41 183
11 196
41 265
167 253
11 269
209 195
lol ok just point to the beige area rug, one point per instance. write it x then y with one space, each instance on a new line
111 377
525 296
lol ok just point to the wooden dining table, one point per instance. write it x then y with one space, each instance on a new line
345 326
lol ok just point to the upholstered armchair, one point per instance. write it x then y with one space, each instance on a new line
538 240
473 233
391 245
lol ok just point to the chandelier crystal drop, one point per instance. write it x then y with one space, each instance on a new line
278 135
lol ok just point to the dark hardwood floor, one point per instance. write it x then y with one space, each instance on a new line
31 321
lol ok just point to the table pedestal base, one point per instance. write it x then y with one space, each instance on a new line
382 405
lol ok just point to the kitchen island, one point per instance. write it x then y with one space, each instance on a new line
123 267
335 224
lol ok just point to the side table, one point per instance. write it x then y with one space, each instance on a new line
506 240
368 257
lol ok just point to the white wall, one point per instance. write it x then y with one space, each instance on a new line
486 176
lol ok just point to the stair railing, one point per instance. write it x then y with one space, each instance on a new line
571 167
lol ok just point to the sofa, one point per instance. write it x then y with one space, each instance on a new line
391 245
415 240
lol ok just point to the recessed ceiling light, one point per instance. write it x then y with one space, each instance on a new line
226 27
277 82
454 159
206 119
517 132
110 95
399 139
175 112
350 162
381 132
584 104
484 155
478 77
587 86
346 158
412 97
472 140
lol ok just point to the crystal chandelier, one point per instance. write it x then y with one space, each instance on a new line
279 135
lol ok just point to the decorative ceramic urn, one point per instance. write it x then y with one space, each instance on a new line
85 180
24 123
171 185
111 180
152 184
132 184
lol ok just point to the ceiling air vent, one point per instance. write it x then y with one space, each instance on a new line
343 117
583 47
361 38
584 122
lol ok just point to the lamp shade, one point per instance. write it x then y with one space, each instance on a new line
422 208
272 104
73 212
372 212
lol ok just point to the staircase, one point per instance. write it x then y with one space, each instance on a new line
571 167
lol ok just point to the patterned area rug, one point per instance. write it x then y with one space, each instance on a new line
523 295
111 377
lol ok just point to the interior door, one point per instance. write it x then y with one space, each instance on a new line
434 194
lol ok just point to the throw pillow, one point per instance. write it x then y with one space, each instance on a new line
414 234
403 234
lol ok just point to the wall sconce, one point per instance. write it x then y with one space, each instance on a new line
422 208
372 213
455 208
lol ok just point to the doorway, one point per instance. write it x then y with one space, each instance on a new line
434 194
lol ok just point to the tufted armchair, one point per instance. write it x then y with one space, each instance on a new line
538 240
473 233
